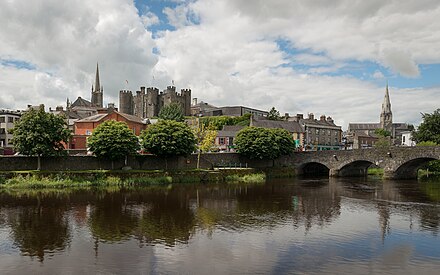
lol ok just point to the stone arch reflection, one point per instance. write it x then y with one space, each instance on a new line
314 169
409 169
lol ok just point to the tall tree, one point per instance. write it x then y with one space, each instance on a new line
429 129
274 114
263 143
40 134
113 140
172 112
205 138
168 138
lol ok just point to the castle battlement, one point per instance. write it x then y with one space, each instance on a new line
147 102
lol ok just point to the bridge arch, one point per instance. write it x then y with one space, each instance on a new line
314 169
409 169
357 168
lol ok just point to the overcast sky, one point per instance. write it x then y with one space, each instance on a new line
314 56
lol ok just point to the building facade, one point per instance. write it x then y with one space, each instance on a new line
7 121
320 134
147 103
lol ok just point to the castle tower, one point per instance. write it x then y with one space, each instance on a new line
97 91
126 102
152 102
186 94
386 116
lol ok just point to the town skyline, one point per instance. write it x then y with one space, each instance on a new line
228 53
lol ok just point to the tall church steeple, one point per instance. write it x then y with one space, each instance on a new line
97 90
386 116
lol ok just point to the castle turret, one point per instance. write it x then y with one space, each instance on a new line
386 116
152 102
97 91
186 94
126 102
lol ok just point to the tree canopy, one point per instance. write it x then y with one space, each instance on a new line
168 138
113 140
274 114
38 133
263 143
172 112
429 129
382 132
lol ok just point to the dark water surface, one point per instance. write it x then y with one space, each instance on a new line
294 226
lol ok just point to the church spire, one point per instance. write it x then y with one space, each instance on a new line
97 84
97 90
386 116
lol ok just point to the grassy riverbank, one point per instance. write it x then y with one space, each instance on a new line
102 178
375 171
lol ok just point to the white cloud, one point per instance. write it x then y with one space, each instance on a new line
227 52
64 40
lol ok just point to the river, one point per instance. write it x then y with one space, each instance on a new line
288 226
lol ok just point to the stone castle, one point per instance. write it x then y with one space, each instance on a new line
147 103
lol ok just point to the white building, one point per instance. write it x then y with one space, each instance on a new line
407 139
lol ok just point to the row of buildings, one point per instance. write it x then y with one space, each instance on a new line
140 109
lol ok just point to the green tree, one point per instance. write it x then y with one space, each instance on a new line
429 129
168 138
113 140
382 132
274 114
172 112
263 143
205 138
39 134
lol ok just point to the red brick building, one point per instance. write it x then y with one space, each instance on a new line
84 127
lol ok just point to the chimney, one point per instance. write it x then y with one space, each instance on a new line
322 118
194 101
329 119
143 90
59 108
299 116
311 116
286 116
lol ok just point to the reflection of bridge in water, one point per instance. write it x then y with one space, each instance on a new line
397 162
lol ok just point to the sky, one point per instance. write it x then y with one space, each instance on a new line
330 58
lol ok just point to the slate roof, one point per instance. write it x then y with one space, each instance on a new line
363 126
99 117
229 131
81 102
290 126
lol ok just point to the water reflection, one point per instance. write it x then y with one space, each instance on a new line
355 219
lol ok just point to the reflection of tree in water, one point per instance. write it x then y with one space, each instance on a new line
168 219
111 219
152 216
39 230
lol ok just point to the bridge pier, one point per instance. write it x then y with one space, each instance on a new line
333 173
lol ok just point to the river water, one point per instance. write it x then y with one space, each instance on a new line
289 226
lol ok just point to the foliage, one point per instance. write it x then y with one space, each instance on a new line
429 129
250 178
274 114
263 143
426 143
382 132
172 112
382 142
168 138
113 140
217 122
38 133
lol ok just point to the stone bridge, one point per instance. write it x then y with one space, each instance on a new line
397 162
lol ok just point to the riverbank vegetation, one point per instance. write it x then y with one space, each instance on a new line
84 179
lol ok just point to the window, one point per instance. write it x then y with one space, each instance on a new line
2 131
317 131
221 141
2 119
403 139
88 132
10 119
